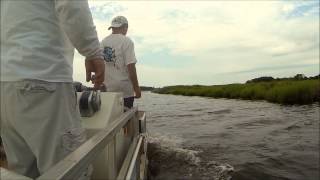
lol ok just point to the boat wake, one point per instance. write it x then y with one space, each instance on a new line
168 160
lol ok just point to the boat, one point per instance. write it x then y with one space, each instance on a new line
116 147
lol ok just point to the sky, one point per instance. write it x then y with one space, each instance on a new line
214 42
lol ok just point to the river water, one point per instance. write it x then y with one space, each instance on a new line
205 138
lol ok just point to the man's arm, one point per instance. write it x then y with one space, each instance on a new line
134 79
76 20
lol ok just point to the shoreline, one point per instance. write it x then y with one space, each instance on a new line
288 92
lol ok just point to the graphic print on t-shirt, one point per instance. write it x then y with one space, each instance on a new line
109 55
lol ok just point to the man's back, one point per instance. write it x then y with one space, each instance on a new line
34 42
119 52
33 45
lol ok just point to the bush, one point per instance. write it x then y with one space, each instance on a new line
284 92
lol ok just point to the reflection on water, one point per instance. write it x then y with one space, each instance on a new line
196 138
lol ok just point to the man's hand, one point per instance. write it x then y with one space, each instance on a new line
97 67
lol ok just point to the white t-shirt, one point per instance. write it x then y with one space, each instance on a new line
118 53
38 38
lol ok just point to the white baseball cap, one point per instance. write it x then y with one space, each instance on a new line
118 21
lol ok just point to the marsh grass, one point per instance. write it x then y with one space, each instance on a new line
283 92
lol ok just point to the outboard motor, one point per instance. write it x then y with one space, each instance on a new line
89 102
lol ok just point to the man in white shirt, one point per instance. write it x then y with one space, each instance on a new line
120 60
40 122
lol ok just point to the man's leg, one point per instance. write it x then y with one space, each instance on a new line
51 122
48 120
18 154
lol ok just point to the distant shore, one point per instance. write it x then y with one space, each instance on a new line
282 92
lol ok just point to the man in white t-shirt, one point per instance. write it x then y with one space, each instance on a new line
120 63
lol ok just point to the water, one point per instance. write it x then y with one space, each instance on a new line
198 138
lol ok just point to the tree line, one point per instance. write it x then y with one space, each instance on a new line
269 78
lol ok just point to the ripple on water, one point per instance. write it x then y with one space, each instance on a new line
263 141
182 163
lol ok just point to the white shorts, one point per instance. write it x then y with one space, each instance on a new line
40 124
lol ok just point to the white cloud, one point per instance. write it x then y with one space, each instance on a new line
221 37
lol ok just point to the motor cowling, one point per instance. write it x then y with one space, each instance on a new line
89 102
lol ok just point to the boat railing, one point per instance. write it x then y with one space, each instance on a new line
82 157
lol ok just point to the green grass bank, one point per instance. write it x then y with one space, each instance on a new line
283 92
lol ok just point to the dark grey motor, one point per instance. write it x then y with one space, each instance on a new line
89 103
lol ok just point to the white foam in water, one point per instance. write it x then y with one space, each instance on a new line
165 140
167 152
172 145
